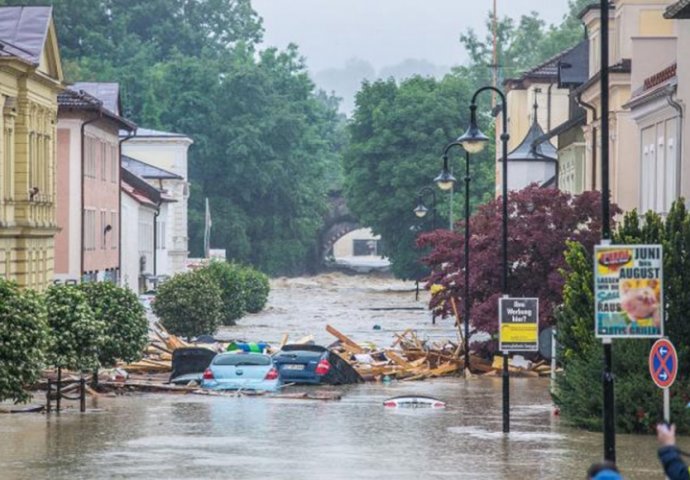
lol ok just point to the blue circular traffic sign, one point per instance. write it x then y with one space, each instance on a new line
663 363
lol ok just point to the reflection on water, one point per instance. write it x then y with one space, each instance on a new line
190 437
176 437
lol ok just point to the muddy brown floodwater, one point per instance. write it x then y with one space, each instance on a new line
194 437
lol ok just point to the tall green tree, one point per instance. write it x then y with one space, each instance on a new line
23 339
398 133
76 334
124 320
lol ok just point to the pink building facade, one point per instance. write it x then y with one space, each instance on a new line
87 248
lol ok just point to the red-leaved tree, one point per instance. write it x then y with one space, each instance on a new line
540 222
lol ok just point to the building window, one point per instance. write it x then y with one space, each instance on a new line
161 235
104 235
90 230
90 161
104 160
115 163
659 169
114 236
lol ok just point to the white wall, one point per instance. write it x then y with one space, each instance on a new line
168 153
521 174
129 265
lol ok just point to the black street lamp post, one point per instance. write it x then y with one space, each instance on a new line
609 411
445 181
421 209
473 141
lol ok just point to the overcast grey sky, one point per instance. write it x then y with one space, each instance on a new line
385 32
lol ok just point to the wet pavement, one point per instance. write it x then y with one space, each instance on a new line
197 437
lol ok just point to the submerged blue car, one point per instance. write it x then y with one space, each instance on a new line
241 371
315 365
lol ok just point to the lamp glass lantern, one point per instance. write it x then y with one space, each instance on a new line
473 140
420 210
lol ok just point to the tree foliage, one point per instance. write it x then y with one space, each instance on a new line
397 136
540 222
521 44
126 327
76 334
189 304
230 279
638 400
23 340
266 142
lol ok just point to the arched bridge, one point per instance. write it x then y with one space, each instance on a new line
338 222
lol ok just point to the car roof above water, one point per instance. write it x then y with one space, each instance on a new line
303 348
241 358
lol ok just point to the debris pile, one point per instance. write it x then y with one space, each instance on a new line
411 358
158 353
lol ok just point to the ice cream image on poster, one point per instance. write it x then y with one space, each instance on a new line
628 293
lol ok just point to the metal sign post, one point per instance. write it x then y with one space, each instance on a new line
663 367
518 331
628 303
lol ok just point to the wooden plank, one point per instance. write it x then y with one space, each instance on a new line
398 359
344 339
304 340
283 341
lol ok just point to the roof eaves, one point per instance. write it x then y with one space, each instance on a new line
625 66
678 10
539 72
592 6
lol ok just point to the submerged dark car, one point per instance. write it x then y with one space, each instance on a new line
313 364
189 363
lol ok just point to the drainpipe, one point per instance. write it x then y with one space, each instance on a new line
155 240
548 107
131 134
592 109
679 156
155 233
83 149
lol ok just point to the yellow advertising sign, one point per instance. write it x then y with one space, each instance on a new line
519 324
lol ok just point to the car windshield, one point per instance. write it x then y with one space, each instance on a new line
238 359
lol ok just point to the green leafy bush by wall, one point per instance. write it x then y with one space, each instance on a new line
23 340
189 304
256 288
638 401
229 278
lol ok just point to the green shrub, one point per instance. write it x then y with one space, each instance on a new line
256 289
126 327
23 340
189 304
579 391
230 279
76 334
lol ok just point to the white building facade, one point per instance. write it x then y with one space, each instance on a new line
168 152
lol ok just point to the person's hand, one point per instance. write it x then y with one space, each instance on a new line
666 434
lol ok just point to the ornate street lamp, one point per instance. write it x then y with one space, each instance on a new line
474 141
421 210
445 181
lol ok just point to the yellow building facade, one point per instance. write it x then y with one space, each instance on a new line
30 79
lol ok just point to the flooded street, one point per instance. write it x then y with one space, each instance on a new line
150 436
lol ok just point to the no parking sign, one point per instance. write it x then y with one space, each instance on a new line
663 363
